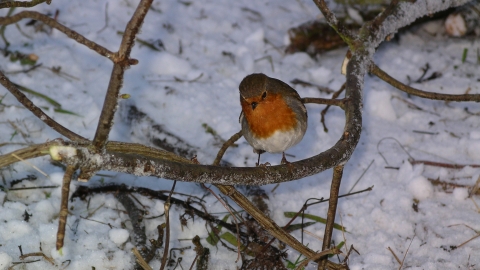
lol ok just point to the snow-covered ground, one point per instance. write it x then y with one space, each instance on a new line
216 44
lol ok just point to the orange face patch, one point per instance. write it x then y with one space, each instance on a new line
270 115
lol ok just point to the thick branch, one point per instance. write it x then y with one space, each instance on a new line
39 150
403 14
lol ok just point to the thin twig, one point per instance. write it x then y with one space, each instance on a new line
225 146
359 178
324 111
56 25
332 210
318 256
442 164
62 216
394 255
401 146
420 93
405 255
232 215
335 102
50 260
167 222
29 164
26 188
25 101
106 19
342 31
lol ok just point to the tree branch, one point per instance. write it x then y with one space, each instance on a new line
60 27
121 62
25 101
374 69
10 4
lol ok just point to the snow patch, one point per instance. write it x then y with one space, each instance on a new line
420 188
118 236
377 103
5 260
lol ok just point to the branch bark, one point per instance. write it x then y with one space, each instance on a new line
121 62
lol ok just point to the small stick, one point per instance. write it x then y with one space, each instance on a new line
62 219
167 222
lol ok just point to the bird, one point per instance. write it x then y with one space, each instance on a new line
273 116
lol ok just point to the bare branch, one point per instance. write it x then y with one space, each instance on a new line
54 24
62 219
25 101
344 33
416 92
10 4
225 146
167 228
332 210
122 61
132 29
335 102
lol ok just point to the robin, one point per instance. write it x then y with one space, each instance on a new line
273 116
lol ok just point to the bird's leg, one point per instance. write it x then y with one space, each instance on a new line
284 160
258 161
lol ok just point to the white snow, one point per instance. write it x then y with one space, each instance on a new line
378 103
223 41
118 236
420 188
460 193
5 260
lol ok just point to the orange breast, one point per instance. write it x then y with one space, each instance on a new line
270 115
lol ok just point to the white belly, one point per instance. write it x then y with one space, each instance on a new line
278 142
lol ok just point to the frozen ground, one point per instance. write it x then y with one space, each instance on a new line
223 41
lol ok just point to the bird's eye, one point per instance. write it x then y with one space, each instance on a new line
264 95
254 105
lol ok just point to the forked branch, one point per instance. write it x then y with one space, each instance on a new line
121 62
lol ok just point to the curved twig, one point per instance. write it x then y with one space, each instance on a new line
374 69
335 102
10 4
225 146
60 27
